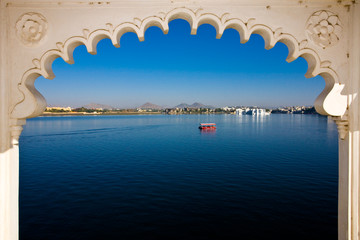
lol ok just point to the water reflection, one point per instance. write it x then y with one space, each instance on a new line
207 132
253 118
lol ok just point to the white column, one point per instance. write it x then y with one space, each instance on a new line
9 193
354 184
343 197
9 153
349 148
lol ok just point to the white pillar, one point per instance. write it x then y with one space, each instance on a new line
344 216
349 146
9 193
9 153
349 149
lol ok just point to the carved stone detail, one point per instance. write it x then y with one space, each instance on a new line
31 28
16 129
27 107
342 126
324 28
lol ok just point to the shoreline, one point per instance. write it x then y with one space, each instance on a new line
48 114
62 114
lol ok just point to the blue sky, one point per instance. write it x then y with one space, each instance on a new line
181 68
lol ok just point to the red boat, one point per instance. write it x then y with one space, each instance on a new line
205 126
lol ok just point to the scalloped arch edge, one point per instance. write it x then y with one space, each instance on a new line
329 102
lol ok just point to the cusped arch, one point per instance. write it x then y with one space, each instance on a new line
329 102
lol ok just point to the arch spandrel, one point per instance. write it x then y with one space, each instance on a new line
51 34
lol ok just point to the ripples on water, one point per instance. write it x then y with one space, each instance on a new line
160 177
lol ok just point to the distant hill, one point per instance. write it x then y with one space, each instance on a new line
182 105
194 105
97 105
150 106
198 105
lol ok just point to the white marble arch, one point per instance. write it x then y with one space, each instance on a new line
36 32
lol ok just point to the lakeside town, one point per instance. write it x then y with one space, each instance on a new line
195 108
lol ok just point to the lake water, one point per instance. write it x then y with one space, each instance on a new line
160 177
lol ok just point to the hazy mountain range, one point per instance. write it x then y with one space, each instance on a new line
194 105
182 105
97 105
149 105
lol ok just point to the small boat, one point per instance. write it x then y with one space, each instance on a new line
205 126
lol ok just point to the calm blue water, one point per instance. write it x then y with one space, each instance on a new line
160 177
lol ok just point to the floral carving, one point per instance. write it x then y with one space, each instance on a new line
31 28
324 28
